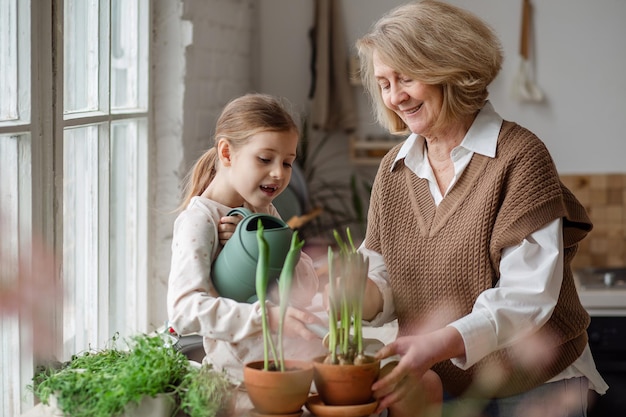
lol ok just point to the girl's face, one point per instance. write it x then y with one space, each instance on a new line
416 103
261 169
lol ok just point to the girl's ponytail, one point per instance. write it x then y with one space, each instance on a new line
200 176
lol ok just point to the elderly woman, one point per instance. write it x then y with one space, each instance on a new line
470 233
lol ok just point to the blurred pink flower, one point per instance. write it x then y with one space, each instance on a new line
29 289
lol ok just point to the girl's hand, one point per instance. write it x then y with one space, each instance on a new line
295 322
226 228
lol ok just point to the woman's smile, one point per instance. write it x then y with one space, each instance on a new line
410 111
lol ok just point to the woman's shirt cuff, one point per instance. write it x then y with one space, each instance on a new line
479 337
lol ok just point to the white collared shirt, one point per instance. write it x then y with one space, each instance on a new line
502 315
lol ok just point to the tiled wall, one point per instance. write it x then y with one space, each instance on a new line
604 197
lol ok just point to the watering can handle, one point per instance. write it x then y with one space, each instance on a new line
242 211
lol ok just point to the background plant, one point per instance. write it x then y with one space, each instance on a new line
342 195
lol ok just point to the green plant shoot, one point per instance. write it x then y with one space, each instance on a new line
332 310
206 392
346 294
261 281
361 266
284 287
346 306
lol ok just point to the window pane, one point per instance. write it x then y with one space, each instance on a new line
128 54
15 229
8 60
81 55
15 192
9 325
104 232
84 197
127 223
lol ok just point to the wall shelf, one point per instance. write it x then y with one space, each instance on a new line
369 152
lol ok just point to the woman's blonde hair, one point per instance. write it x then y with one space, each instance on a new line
240 119
437 44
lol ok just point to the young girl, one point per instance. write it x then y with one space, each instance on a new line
249 165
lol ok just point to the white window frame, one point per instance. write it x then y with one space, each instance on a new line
40 197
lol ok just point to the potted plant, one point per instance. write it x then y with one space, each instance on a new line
205 392
346 374
276 386
144 379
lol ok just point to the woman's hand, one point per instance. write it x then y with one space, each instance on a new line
416 360
413 396
226 228
419 353
295 322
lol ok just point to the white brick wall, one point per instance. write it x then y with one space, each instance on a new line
202 57
218 65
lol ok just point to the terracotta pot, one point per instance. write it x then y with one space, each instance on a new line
345 384
274 392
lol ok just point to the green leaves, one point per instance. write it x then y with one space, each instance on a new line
207 392
261 281
284 288
347 280
332 309
103 383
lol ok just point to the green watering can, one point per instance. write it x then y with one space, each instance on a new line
234 270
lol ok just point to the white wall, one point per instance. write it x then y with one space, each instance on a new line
580 55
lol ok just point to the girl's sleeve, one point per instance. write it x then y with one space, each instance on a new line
193 304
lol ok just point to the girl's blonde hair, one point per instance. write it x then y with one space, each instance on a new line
437 44
240 119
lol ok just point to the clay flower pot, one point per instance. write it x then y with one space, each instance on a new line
345 384
275 392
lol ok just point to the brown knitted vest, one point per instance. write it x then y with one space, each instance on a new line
441 258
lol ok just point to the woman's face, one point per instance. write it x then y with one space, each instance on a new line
416 103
